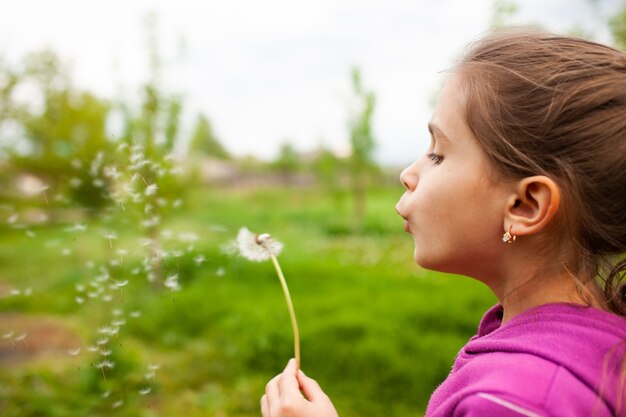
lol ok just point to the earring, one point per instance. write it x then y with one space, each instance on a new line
508 237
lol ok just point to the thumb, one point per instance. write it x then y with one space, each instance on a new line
309 387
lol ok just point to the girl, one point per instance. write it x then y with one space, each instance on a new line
523 188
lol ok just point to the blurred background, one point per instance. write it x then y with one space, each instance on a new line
137 137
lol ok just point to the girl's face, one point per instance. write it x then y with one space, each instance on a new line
453 205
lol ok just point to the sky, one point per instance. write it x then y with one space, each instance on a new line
275 71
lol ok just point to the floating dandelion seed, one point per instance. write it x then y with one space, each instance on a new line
77 228
145 391
261 247
171 283
199 259
111 236
117 404
9 336
73 352
12 219
151 189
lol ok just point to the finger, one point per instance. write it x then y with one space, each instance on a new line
272 395
265 408
309 387
288 384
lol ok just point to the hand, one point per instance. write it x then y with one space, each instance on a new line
283 397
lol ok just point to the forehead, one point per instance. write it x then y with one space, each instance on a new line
448 118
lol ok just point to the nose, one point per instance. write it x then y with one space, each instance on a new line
408 178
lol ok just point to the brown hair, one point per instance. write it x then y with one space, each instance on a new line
545 104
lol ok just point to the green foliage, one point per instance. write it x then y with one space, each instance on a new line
362 143
617 25
204 141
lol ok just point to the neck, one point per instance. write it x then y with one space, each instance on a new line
535 287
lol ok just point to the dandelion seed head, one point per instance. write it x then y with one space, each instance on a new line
257 248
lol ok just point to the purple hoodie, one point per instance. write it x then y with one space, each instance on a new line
550 361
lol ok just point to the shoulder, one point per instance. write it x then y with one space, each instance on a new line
516 384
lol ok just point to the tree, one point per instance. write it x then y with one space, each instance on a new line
287 163
362 144
617 25
59 131
204 141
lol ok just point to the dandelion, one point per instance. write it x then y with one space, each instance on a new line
135 314
145 391
12 219
117 404
259 248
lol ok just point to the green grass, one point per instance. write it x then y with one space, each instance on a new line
377 332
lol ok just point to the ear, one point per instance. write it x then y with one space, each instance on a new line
532 206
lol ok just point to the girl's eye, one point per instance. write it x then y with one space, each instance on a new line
437 159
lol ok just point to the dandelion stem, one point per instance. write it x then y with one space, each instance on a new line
292 314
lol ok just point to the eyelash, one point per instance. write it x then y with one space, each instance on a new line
437 159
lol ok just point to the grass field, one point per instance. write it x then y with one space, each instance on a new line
377 332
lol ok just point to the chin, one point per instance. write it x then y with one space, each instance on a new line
432 263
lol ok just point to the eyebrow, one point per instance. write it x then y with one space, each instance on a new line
436 131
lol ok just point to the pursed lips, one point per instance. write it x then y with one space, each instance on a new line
405 225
